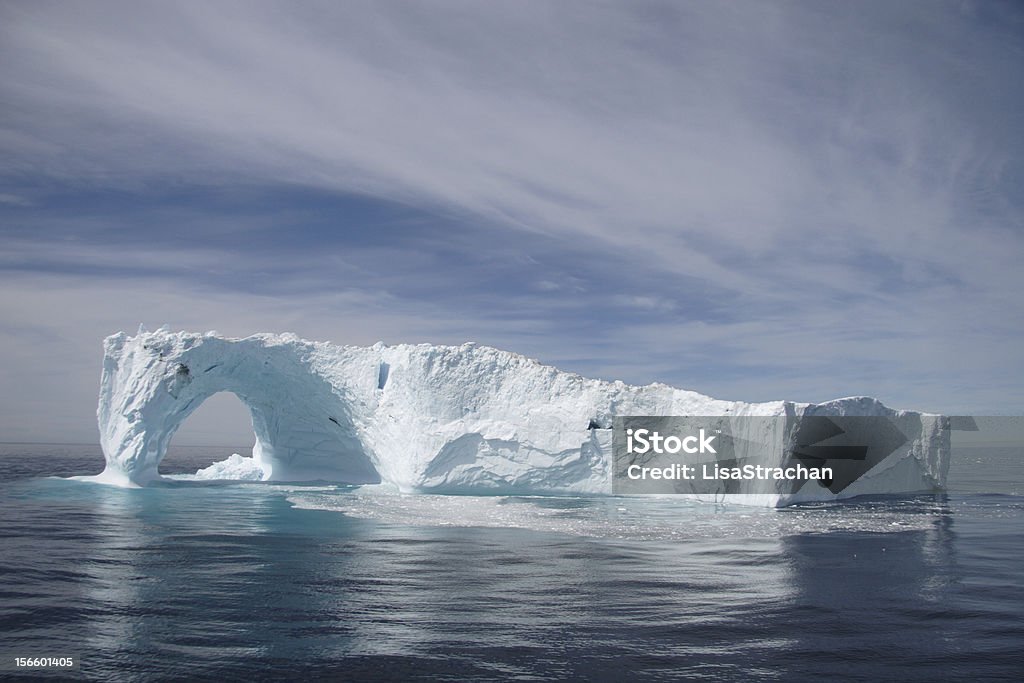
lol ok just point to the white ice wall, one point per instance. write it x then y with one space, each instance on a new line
422 417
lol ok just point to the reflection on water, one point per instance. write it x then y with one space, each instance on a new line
194 581
860 593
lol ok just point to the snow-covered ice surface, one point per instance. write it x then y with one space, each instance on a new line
422 418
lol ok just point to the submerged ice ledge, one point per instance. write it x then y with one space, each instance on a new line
424 418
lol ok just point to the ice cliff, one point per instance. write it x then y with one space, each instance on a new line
445 419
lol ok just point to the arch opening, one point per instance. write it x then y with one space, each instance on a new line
216 429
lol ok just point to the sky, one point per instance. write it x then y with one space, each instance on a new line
754 200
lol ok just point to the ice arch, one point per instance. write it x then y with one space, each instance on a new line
302 430
446 419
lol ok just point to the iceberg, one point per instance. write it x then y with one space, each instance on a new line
234 468
466 419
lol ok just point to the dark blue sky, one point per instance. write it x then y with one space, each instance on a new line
796 200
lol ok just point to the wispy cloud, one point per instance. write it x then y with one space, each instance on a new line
746 198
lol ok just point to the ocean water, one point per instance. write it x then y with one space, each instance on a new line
211 581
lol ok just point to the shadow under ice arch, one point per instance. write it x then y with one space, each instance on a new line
303 428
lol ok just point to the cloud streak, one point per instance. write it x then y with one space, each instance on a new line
745 198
